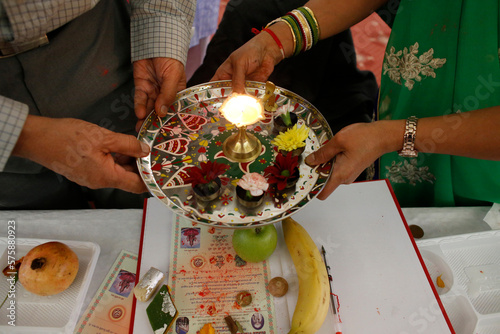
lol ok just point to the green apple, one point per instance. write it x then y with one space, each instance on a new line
255 244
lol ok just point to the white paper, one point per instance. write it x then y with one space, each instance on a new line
492 218
377 274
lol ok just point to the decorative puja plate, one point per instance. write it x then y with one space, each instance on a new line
193 131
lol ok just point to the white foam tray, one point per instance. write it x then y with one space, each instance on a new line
470 268
47 314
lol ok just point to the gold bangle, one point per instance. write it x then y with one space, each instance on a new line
305 28
314 18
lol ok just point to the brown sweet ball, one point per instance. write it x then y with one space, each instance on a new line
416 231
278 286
244 298
48 269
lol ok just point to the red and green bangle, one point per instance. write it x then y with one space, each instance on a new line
305 29
313 23
297 32
303 26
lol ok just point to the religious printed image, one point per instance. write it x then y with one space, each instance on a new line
190 237
123 284
206 283
110 310
257 321
116 313
198 262
182 325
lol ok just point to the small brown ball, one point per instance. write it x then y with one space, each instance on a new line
278 286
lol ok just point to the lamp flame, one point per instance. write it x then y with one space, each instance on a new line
242 110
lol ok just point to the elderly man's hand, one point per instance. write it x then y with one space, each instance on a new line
157 81
83 152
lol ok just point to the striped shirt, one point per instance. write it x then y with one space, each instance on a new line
159 28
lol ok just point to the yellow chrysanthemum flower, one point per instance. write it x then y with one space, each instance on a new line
291 139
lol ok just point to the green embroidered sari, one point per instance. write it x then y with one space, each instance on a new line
442 58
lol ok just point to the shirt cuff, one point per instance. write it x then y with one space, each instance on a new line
13 114
160 37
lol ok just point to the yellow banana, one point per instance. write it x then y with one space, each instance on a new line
314 287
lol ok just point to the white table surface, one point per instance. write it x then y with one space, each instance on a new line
116 230
112 230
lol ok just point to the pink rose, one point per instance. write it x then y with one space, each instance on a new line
254 182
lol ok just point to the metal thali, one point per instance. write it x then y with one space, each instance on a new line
194 131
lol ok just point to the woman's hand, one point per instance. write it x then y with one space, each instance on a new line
354 148
255 60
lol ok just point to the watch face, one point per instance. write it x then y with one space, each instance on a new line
408 150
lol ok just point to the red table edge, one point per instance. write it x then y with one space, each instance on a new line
417 251
138 270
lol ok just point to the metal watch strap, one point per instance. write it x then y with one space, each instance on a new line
408 150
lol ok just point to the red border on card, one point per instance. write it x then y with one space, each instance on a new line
429 279
138 270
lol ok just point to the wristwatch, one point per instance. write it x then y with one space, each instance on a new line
408 150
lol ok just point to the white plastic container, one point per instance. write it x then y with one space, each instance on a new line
469 266
46 314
